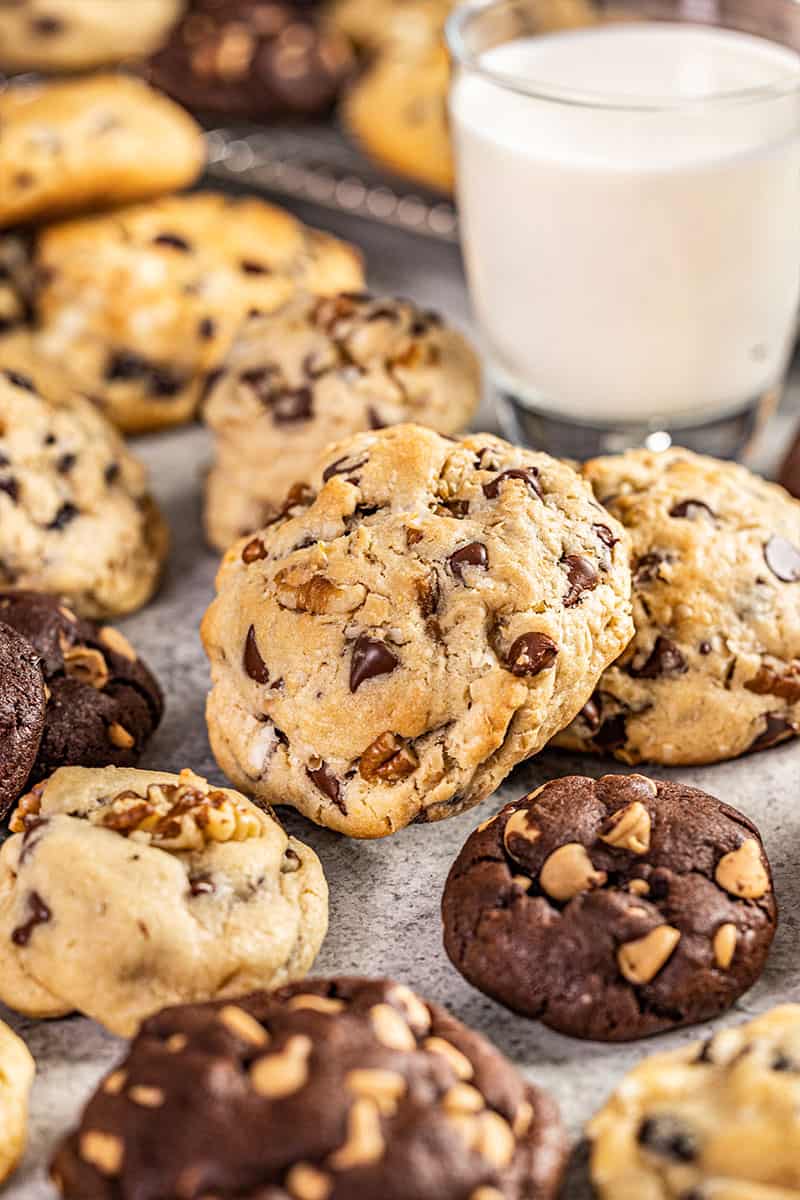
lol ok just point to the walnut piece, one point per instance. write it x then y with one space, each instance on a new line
299 592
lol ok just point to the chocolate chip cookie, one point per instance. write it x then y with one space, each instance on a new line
17 1070
102 702
612 909
419 619
125 890
256 59
76 518
78 35
313 373
346 1089
714 668
91 143
144 304
22 710
717 1121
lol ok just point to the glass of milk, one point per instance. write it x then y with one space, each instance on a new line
629 190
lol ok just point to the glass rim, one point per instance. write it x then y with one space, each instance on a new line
456 34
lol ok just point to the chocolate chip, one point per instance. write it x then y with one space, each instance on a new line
582 578
254 551
775 730
252 661
173 241
472 555
124 365
783 1062
201 885
67 513
342 467
669 1138
429 594
206 329
705 648
20 381
606 536
292 405
531 653
612 734
665 659
328 784
65 463
370 658
456 508
783 559
646 568
10 487
112 473
46 26
590 714
250 267
39 915
374 418
528 475
690 510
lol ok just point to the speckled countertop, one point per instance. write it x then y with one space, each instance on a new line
385 895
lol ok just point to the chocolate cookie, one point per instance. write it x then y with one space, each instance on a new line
613 908
342 1089
253 58
102 702
22 708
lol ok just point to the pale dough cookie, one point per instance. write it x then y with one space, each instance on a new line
76 518
76 35
123 891
714 668
91 142
17 1071
423 617
318 371
717 1121
143 304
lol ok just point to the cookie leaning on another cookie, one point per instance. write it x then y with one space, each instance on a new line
612 909
354 1089
714 668
317 371
419 620
101 141
125 890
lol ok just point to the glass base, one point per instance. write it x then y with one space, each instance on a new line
730 435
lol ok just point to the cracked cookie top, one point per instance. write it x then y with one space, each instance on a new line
714 668
126 890
315 372
612 909
717 1119
420 618
338 1089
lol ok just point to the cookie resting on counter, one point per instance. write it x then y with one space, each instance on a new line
126 890
143 304
612 909
338 1089
95 142
714 668
17 1071
314 372
421 618
76 518
78 35
717 1121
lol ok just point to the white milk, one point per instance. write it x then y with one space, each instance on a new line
627 264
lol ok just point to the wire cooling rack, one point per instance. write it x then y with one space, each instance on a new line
316 164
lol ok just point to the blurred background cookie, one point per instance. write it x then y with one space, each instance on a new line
89 143
255 59
22 709
314 372
17 1071
76 35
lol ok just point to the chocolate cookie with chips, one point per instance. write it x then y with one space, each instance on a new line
714 668
103 704
22 711
612 909
342 1089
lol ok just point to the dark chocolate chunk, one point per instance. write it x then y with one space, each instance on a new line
776 729
253 663
65 515
528 475
370 659
669 1138
172 241
474 554
342 466
39 915
664 659
690 510
582 576
19 380
531 653
324 779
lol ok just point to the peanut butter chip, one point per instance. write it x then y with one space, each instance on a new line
629 829
391 1029
486 1133
486 1193
146 1097
725 945
242 1024
115 1083
641 960
463 1098
119 737
519 825
87 666
639 887
384 1088
177 1042
365 1142
568 871
741 873
102 1150
281 1074
320 1004
523 1119
459 1062
117 642
305 1182
416 1011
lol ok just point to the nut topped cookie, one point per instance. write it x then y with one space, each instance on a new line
613 908
22 711
714 668
89 143
126 890
103 704
716 1121
314 372
144 304
76 518
419 619
339 1089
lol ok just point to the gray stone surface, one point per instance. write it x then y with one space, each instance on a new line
385 895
